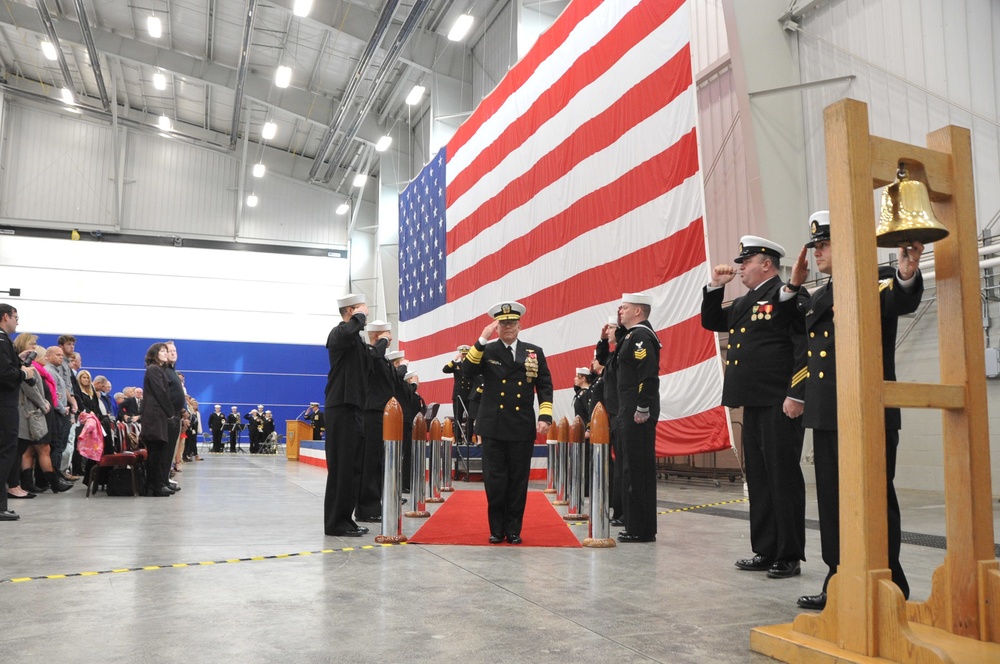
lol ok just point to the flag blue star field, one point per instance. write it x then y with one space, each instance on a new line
422 242
575 180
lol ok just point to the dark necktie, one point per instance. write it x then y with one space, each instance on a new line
511 349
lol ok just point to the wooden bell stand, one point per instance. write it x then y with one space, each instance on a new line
866 617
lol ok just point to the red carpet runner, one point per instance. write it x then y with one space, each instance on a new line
461 519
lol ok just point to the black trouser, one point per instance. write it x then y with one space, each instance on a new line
173 432
57 445
345 439
826 457
506 467
616 479
638 441
458 408
234 436
158 450
9 420
772 449
217 440
372 460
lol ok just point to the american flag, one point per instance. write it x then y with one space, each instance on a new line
574 181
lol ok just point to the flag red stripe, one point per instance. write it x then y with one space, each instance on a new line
661 261
647 181
547 43
589 67
707 431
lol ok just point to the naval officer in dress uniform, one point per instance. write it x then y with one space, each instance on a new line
900 291
346 392
513 372
459 393
765 373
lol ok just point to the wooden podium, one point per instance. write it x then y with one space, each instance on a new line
295 432
866 617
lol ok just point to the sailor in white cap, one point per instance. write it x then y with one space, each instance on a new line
461 390
606 355
513 373
900 290
346 390
638 414
765 374
380 390
216 423
233 425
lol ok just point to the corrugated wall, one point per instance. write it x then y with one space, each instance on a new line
290 212
495 53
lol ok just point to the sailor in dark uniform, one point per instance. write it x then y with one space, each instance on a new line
513 372
404 395
380 390
765 374
607 356
459 393
314 416
346 390
900 291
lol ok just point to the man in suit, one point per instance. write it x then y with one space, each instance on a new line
639 411
12 374
233 422
459 392
900 291
314 416
513 373
765 373
380 390
346 393
216 422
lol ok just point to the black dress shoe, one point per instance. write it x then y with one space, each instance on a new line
496 539
514 539
815 602
372 519
9 515
160 492
784 569
617 522
629 537
355 532
364 531
756 564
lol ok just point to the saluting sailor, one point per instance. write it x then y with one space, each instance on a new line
765 373
513 372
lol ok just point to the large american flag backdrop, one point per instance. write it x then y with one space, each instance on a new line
574 181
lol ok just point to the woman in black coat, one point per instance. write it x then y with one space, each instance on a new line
157 414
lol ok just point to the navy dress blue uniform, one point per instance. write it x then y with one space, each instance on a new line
609 358
460 392
765 363
346 395
506 420
380 390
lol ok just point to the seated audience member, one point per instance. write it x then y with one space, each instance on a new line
86 399
129 408
104 412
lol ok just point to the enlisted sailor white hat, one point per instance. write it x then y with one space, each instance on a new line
350 300
394 355
637 298
379 326
819 227
507 310
464 348
582 371
409 375
752 244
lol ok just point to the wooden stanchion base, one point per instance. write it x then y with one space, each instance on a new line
417 515
390 539
576 517
434 500
447 489
593 543
560 503
548 491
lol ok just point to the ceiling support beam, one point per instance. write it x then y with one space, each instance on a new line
95 58
241 72
50 30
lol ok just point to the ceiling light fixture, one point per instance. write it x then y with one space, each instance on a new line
258 170
460 28
383 144
416 94
302 7
269 131
283 76
159 81
360 180
49 50
154 26
342 209
252 200
164 123
67 95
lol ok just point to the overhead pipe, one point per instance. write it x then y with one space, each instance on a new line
50 30
409 25
381 26
241 71
95 59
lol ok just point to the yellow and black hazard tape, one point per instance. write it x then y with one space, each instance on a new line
207 563
681 509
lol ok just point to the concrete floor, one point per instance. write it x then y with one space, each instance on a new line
678 600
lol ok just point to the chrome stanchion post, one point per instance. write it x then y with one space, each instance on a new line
600 523
446 462
562 433
418 469
434 477
575 449
550 464
392 490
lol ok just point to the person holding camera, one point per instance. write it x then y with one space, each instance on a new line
12 373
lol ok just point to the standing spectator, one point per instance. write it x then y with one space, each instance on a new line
65 409
12 374
157 432
193 431
513 373
765 374
178 401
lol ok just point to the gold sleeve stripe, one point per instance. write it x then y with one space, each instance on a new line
474 355
799 377
545 408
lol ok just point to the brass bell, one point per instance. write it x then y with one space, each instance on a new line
907 216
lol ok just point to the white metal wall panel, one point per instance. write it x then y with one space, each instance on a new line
708 33
292 211
494 54
57 169
177 188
